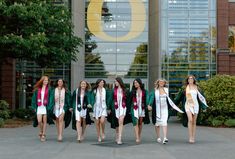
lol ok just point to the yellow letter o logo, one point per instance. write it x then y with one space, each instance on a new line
94 14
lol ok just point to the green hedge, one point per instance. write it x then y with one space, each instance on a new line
1 122
24 113
220 95
4 110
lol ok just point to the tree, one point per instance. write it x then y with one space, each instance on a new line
38 31
138 67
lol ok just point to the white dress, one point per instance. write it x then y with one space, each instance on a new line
82 113
162 121
57 109
196 105
141 111
100 107
42 109
120 111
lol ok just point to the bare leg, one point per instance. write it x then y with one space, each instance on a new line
194 123
102 124
79 130
157 130
164 131
140 126
136 128
40 125
120 129
97 124
60 127
117 134
83 128
190 128
44 123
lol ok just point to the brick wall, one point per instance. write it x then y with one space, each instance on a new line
8 82
225 17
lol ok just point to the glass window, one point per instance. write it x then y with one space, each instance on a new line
116 43
188 40
231 38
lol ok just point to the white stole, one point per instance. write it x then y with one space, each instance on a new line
59 103
157 102
101 98
202 99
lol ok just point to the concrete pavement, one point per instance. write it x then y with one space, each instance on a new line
211 143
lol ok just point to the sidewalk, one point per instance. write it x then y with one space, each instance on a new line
211 143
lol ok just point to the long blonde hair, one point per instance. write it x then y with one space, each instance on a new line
156 83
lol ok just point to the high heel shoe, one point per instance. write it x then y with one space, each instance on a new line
43 138
60 139
99 139
103 136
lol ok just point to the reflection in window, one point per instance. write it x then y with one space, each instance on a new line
106 58
231 38
188 40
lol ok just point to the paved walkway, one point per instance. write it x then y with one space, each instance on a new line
211 143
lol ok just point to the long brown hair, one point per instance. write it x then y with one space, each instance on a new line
88 86
64 84
194 80
120 81
40 82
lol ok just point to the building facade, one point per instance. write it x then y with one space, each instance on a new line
226 37
147 39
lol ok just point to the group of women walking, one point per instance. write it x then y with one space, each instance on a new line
119 106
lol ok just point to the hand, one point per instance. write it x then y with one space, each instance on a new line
89 106
149 108
71 109
109 111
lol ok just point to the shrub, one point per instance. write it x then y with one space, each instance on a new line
230 123
217 122
1 122
4 110
23 113
220 96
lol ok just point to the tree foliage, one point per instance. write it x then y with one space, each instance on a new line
138 67
36 30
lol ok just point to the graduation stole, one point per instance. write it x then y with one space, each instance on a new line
157 102
78 100
60 95
115 95
101 97
39 97
134 99
189 100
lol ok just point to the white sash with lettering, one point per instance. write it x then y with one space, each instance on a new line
157 102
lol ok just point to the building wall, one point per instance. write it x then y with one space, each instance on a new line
225 18
7 78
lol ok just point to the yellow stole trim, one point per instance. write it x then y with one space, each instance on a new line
189 100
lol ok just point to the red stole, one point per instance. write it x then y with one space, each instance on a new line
115 98
134 99
45 99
